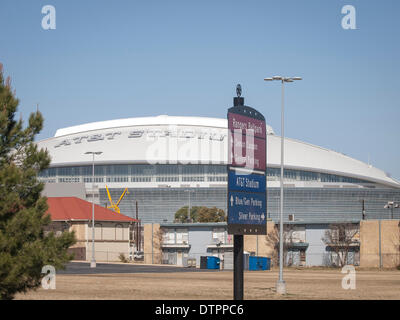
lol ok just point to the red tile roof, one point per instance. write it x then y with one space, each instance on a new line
72 208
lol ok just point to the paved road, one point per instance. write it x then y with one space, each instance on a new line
84 268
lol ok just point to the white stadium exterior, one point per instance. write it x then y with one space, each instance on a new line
161 158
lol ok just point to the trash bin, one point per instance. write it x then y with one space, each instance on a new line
259 263
191 262
213 263
208 262
268 267
203 262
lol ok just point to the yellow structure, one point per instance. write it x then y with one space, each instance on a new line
114 206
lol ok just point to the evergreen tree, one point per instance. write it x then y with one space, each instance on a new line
24 245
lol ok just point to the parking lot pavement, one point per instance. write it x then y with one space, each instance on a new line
84 268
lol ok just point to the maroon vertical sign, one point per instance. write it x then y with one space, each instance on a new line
247 139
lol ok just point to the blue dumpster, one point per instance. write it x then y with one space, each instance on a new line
203 262
213 263
259 263
268 263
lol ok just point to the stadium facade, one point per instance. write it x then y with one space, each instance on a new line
167 161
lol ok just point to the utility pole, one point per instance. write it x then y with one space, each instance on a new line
189 192
380 245
257 245
363 209
137 229
152 244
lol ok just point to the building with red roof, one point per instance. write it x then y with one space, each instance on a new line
113 231
73 209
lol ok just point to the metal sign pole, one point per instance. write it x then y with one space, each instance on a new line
238 267
246 201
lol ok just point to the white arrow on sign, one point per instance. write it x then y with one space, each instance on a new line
231 201
262 216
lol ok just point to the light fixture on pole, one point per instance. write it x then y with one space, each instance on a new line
93 153
281 285
392 205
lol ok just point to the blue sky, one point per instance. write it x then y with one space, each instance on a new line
117 59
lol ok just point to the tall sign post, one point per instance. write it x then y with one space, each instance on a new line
246 205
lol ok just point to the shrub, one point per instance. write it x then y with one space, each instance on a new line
122 258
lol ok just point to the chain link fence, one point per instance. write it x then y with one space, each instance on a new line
291 259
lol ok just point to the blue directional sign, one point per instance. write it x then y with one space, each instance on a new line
240 181
247 208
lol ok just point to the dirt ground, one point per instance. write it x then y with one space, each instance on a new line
301 284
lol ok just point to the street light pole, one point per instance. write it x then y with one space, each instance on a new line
363 209
93 261
281 285
189 191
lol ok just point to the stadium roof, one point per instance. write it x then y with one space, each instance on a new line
299 155
158 120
